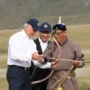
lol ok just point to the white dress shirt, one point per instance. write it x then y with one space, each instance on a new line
20 51
43 44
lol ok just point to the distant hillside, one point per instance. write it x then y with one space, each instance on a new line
14 13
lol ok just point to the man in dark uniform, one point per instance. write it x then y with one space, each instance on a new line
41 44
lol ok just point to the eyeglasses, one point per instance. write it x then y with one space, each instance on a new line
57 33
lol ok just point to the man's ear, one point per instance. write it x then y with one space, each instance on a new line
64 33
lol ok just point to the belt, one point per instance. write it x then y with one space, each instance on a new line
20 67
61 73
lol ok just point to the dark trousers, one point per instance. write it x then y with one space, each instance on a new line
18 79
40 86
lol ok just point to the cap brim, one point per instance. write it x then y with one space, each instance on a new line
36 28
44 30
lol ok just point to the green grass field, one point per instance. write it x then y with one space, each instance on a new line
79 33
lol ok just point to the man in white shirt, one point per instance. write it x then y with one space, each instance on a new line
41 43
21 50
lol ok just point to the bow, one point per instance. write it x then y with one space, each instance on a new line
42 80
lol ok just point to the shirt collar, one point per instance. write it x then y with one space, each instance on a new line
42 41
63 43
24 34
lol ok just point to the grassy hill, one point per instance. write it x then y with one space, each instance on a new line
14 13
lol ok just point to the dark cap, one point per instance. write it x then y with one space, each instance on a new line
34 23
61 27
45 27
